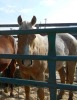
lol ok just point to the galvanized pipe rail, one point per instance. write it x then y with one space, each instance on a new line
42 25
51 58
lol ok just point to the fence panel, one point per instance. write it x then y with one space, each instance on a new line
51 57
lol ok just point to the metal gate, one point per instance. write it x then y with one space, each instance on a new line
51 58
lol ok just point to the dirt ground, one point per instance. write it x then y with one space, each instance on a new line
19 94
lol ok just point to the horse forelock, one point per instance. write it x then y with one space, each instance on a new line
25 25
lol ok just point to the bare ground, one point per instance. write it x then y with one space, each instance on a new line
19 94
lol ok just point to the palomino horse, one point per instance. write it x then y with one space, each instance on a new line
36 44
8 45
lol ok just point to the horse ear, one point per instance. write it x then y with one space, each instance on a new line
33 21
19 20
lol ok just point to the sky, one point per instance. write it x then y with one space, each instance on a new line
54 11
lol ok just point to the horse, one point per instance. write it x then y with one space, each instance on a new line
8 45
9 72
36 44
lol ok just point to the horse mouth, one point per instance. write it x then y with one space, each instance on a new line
27 63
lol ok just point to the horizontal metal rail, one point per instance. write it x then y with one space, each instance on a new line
42 25
40 31
39 57
24 82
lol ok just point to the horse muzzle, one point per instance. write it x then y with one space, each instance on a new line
27 63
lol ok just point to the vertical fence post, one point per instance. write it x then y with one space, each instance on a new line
52 65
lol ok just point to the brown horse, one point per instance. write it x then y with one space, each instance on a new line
36 44
8 45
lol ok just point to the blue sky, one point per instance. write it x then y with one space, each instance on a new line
53 10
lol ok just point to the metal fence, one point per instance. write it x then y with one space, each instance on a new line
51 58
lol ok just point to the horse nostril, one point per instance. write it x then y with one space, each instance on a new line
31 62
22 62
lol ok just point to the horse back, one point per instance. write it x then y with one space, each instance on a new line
71 43
7 44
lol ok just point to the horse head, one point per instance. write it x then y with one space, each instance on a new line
26 42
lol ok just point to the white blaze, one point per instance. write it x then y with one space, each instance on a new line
27 52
